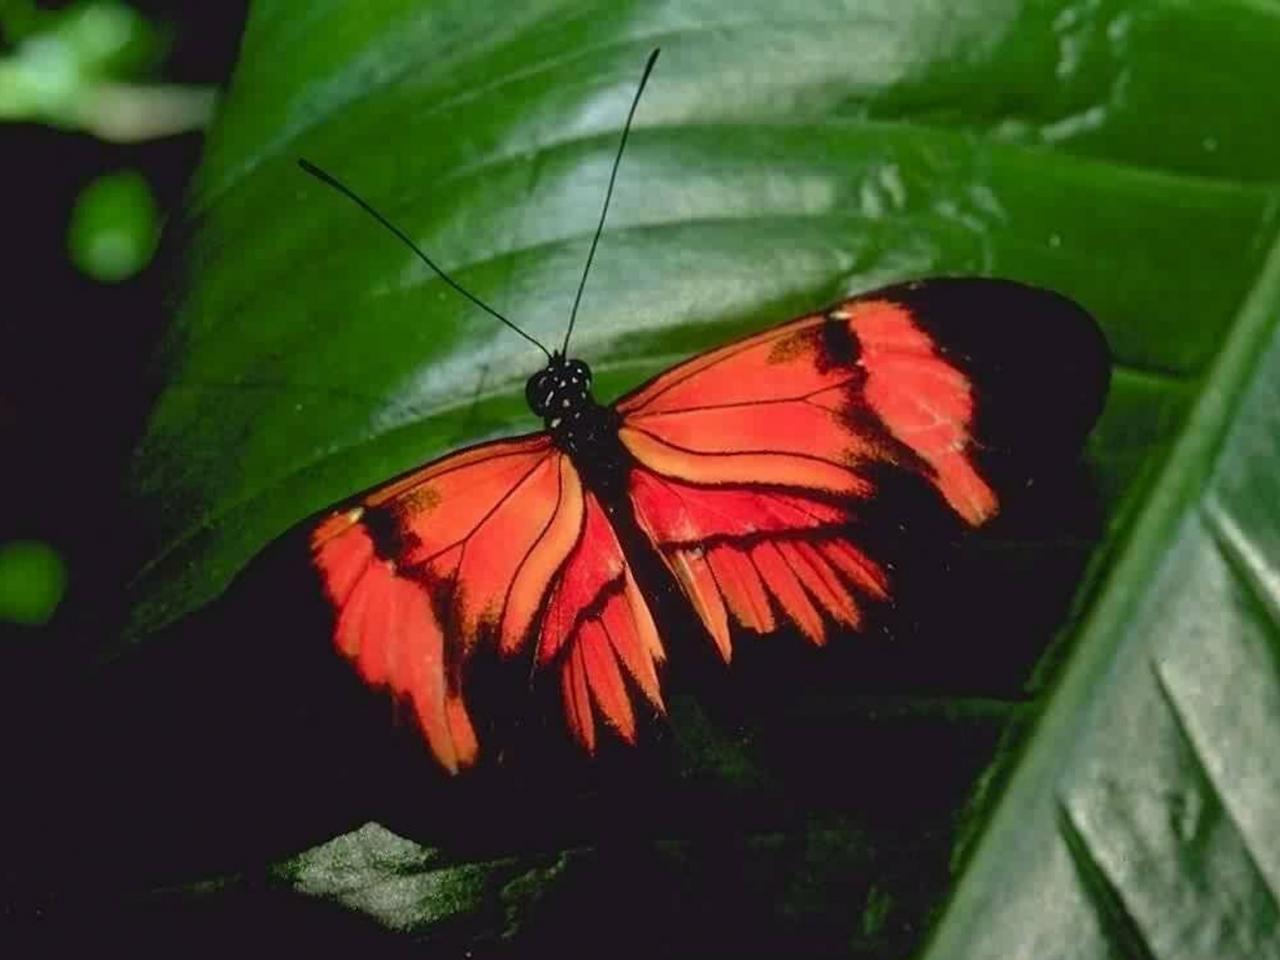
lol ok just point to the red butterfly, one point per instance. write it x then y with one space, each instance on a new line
743 469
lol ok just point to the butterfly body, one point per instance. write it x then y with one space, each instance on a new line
579 426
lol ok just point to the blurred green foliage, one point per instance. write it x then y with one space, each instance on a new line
58 57
89 66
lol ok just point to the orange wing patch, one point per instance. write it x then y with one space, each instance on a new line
757 554
758 411
742 452
806 404
925 402
387 629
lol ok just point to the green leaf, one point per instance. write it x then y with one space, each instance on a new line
1142 816
781 156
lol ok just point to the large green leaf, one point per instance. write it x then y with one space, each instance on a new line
1122 152
1143 818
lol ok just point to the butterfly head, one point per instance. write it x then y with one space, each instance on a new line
560 388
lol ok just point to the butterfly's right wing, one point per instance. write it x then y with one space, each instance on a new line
499 547
755 462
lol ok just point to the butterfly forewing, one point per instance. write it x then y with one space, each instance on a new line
857 384
421 570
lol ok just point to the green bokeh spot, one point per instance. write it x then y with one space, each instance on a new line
32 580
114 227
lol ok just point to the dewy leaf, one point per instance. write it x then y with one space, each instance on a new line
1122 151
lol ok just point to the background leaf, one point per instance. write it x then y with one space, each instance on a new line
781 158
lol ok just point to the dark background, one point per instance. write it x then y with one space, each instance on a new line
74 381
74 391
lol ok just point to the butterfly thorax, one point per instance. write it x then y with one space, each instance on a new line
560 393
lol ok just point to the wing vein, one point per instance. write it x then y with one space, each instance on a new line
425 561
799 398
737 453
393 489
729 515
506 597
767 336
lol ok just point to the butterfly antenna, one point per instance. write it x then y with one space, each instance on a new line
613 176
351 195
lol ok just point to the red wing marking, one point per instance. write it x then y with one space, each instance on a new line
675 512
857 567
748 551
701 466
496 544
600 665
577 701
738 582
779 364
599 627
699 581
820 579
787 589
633 635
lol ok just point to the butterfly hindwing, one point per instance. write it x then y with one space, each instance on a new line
598 624
740 552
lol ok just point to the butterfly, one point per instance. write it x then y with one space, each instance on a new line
741 474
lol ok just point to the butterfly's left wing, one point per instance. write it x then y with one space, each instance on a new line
496 549
754 461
